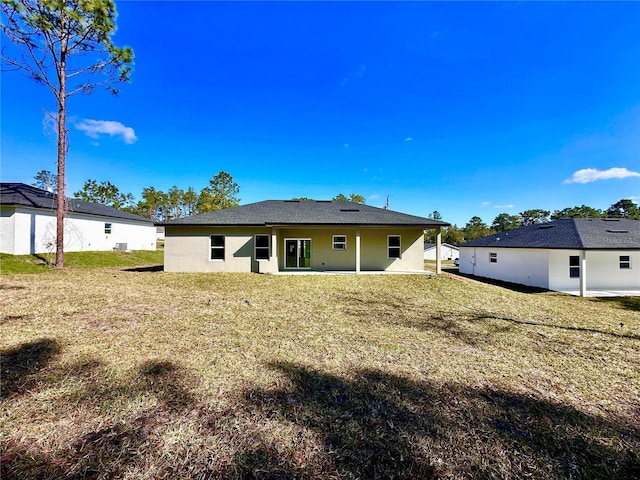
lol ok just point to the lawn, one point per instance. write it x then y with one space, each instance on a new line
114 373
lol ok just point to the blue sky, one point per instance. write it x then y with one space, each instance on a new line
466 108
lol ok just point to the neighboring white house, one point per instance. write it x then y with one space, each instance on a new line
291 235
447 251
28 224
590 256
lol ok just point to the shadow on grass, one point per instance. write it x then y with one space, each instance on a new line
12 287
152 268
515 287
112 449
558 327
630 303
19 363
316 425
384 426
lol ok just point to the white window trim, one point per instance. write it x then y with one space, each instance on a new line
223 247
110 228
493 257
399 257
255 246
334 243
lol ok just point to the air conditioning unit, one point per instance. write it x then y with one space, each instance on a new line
121 246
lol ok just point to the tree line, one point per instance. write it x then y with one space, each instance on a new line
221 192
476 227
159 206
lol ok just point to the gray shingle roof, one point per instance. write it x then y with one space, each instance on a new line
573 233
293 212
20 194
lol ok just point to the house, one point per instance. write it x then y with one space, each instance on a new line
447 251
591 256
290 235
28 224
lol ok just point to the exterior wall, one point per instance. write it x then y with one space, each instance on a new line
187 249
526 266
447 252
603 270
559 279
7 230
34 231
374 249
550 268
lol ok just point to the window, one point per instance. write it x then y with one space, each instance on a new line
217 247
625 261
107 228
493 257
574 266
262 247
339 242
393 246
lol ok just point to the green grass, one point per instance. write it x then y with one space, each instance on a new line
12 264
113 373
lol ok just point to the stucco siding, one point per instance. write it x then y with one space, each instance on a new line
187 249
34 231
604 272
517 265
374 249
559 278
7 230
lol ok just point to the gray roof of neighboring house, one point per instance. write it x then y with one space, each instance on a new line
314 212
570 233
20 194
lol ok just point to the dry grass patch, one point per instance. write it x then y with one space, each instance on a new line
109 373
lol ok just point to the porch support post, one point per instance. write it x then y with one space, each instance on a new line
358 251
439 251
583 273
274 250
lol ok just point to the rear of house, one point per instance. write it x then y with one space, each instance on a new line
275 236
574 255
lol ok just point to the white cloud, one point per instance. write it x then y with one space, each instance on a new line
588 175
94 128
509 205
408 139
374 196
485 204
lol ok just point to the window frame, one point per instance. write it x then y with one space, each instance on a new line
574 270
624 262
108 228
493 257
335 244
261 248
398 247
213 248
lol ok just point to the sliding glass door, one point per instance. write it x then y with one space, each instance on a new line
298 253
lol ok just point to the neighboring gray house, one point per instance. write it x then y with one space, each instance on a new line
447 251
586 255
291 235
28 224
